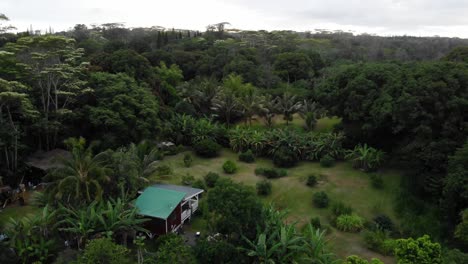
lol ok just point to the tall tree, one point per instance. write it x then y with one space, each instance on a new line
52 65
15 109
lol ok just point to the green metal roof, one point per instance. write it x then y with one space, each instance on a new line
158 202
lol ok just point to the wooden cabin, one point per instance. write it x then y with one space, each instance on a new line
168 206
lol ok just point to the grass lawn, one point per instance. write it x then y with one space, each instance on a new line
341 182
323 125
16 212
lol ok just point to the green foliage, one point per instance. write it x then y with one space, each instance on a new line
211 178
327 161
421 250
81 177
163 170
379 241
188 160
461 231
216 251
376 181
233 208
454 256
33 237
320 199
264 187
357 260
188 179
230 167
199 184
121 103
339 208
315 222
284 157
311 180
172 249
349 223
366 158
383 222
103 250
113 218
293 66
207 148
455 186
271 173
247 156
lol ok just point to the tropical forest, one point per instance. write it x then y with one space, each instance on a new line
162 145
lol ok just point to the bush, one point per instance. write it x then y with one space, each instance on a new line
264 187
260 171
229 167
320 199
379 241
284 157
247 156
211 178
199 184
377 181
271 173
357 260
421 250
207 148
103 250
188 179
327 161
163 170
349 223
188 160
315 222
339 208
311 180
383 222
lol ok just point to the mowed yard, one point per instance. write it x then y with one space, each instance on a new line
341 182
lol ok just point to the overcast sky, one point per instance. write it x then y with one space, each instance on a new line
382 17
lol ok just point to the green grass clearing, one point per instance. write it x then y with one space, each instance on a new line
341 182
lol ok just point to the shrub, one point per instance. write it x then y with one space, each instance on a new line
284 157
379 241
377 181
199 184
103 250
188 160
315 222
247 156
211 178
349 223
188 179
271 173
264 187
421 250
207 148
357 260
163 170
327 161
311 180
229 167
320 199
339 208
383 222
259 171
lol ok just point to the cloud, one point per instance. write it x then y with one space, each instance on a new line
415 17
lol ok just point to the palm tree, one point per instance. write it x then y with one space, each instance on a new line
226 105
80 177
288 106
309 112
250 103
268 109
